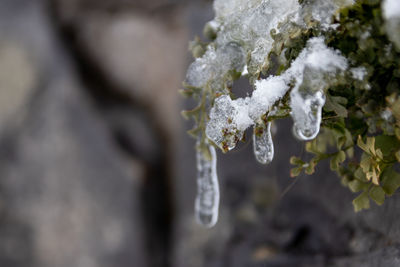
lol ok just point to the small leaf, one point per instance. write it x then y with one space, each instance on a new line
194 132
186 92
397 133
296 161
336 104
310 169
337 159
361 202
341 142
350 152
387 144
356 186
398 155
361 144
379 153
312 147
341 156
360 175
372 175
377 194
295 172
390 181
371 145
187 114
365 163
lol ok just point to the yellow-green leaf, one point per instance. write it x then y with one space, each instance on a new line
361 202
356 186
295 172
365 163
361 144
390 181
360 175
398 155
310 169
377 194
296 161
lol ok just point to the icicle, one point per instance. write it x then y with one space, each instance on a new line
306 114
262 143
207 199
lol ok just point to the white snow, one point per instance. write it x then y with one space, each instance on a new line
391 13
359 73
391 9
310 73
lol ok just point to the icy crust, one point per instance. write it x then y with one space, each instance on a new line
308 76
211 69
207 199
243 35
391 14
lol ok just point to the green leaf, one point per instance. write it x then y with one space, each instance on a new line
187 114
397 155
365 163
397 133
312 147
310 169
371 144
296 161
387 144
390 181
337 159
361 202
360 175
377 194
336 104
295 172
194 132
362 145
356 186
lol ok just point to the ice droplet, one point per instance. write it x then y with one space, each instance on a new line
306 114
262 143
207 199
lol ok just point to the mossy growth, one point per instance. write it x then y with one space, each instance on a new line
361 118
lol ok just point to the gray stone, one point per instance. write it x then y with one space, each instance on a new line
69 196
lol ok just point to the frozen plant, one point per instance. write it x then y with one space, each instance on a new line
325 63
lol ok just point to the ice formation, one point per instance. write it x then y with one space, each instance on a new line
207 199
310 74
244 39
262 143
391 13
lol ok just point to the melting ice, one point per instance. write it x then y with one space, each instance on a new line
310 73
207 199
243 39
262 143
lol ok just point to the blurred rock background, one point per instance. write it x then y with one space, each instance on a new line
96 169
